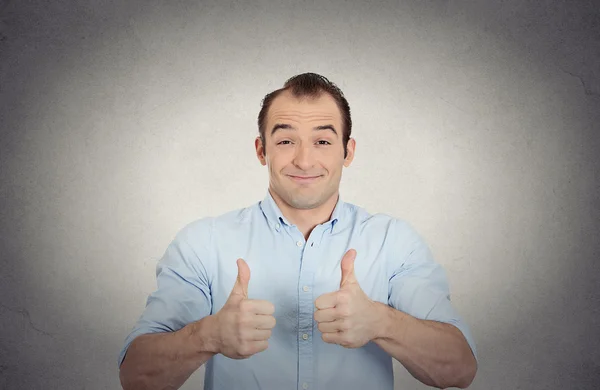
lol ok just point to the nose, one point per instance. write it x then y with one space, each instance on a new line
304 159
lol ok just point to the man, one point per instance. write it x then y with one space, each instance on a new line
301 290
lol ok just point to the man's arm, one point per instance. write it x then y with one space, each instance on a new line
166 360
421 329
175 334
435 353
433 350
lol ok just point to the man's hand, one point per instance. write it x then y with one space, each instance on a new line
243 325
347 317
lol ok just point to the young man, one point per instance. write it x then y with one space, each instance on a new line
300 290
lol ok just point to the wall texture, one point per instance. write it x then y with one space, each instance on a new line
122 121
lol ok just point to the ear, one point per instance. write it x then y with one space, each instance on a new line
351 148
260 151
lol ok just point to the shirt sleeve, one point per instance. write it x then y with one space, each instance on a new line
183 286
418 285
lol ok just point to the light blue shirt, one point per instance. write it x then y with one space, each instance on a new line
198 270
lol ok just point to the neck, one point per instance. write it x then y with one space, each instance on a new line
306 219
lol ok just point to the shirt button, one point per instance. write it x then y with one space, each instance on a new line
305 385
305 288
299 243
277 226
305 336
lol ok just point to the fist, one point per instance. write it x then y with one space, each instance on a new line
347 317
243 325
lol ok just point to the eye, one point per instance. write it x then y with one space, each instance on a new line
325 142
285 142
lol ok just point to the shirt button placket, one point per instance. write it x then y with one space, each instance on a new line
305 316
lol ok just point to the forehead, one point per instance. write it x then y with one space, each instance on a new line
288 108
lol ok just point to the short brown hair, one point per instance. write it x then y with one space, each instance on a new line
310 85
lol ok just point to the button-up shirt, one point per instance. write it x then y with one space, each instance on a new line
393 265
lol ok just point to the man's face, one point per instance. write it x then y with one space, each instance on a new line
304 149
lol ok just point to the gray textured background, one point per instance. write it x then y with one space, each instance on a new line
123 121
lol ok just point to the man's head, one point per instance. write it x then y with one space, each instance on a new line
309 85
305 140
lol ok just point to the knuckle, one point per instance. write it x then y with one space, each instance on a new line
244 320
243 333
245 306
244 349
343 340
347 340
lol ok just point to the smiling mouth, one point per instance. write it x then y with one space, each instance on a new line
304 179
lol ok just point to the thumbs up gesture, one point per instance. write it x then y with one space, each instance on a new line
243 325
348 316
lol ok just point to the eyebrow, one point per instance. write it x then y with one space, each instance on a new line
283 126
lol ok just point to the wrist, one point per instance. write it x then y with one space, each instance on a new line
380 320
204 335
386 319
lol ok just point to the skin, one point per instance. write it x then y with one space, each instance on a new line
301 150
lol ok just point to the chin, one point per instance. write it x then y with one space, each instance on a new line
306 203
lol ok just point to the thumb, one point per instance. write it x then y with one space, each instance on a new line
348 268
240 288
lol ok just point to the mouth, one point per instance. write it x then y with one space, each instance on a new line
304 179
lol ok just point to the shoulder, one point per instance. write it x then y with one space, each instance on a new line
394 233
203 229
389 223
194 242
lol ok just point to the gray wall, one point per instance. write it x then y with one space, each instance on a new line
123 121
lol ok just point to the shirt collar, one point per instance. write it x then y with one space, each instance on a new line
275 216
